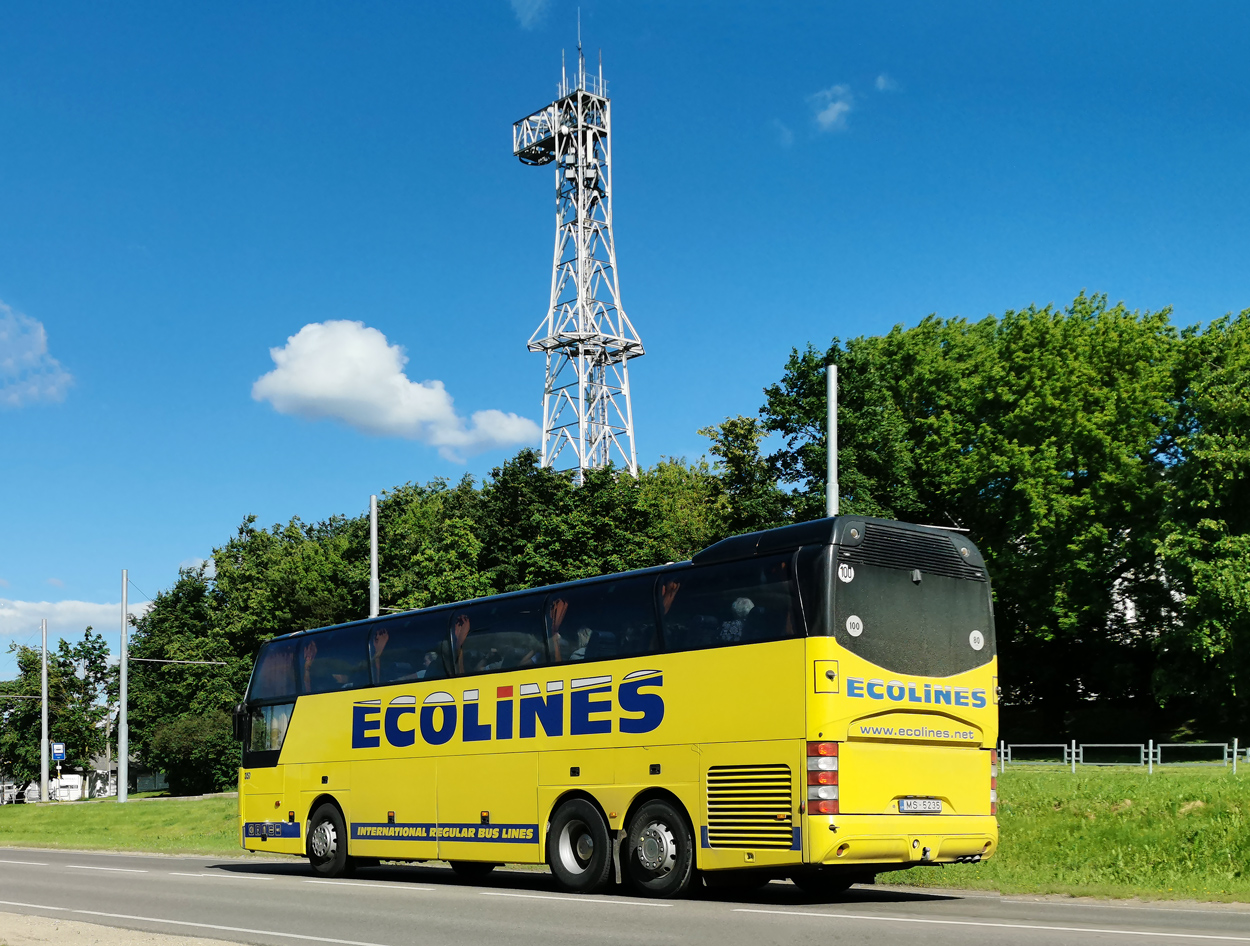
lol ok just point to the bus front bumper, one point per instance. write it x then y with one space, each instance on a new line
903 840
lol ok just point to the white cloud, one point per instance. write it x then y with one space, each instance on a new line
28 374
886 83
21 618
348 372
832 106
209 566
529 12
785 137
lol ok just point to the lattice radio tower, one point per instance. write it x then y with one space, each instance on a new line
588 420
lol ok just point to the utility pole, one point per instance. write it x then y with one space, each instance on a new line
43 716
374 590
123 733
831 437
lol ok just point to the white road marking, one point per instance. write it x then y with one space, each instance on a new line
248 877
33 906
26 863
543 896
120 870
1000 926
202 926
363 883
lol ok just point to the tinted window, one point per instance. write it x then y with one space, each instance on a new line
912 621
275 677
335 660
498 635
729 603
600 621
409 648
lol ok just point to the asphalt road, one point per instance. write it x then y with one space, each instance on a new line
279 902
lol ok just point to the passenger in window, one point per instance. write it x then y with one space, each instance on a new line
731 630
377 646
431 666
668 592
460 626
583 638
556 611
310 652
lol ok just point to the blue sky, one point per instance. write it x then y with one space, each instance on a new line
184 188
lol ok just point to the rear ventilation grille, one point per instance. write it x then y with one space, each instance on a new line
749 806
892 547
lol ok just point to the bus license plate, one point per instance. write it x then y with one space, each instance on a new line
924 806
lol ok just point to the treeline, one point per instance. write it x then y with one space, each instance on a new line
1098 456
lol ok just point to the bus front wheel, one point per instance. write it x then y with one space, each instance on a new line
327 842
659 851
579 849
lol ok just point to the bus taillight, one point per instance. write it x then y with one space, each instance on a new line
822 778
993 781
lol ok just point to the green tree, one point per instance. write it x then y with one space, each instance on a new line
1044 433
746 493
1205 666
79 682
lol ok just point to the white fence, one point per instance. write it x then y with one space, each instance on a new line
1147 754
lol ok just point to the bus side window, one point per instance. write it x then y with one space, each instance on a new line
275 675
407 648
602 620
335 660
728 603
500 634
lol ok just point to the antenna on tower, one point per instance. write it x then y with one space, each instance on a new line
588 418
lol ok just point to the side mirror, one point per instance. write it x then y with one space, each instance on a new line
240 722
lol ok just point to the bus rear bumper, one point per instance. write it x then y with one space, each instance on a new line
900 839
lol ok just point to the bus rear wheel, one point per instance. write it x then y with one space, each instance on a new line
579 848
659 851
327 842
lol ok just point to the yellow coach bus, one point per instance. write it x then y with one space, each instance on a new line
817 701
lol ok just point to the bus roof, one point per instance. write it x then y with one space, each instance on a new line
825 531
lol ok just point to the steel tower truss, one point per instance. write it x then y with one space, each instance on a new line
588 421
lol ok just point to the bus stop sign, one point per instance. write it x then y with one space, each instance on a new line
58 752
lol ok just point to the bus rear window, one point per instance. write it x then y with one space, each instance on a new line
275 676
744 602
912 621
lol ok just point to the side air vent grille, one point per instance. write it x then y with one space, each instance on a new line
749 806
892 547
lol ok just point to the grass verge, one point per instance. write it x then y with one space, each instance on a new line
166 825
1176 834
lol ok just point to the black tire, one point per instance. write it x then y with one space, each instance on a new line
472 870
579 847
658 858
327 843
823 884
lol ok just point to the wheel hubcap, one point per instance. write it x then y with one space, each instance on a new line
576 847
657 848
324 841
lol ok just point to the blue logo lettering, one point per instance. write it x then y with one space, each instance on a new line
362 725
651 705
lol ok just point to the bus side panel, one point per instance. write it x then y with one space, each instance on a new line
404 788
488 808
748 815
